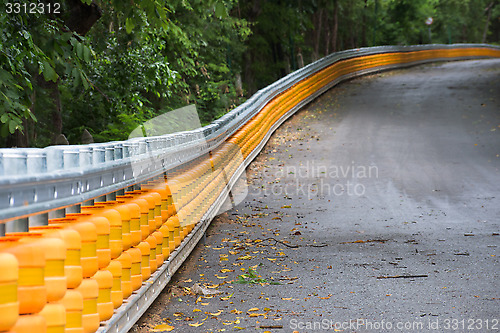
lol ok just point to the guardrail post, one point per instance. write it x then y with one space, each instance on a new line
38 220
102 198
55 214
19 225
75 209
2 229
88 203
111 196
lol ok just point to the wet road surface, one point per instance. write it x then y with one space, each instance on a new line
376 208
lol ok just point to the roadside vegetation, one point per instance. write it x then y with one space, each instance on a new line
107 66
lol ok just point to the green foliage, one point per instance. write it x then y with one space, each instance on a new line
253 277
146 57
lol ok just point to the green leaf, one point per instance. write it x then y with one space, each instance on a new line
49 74
12 126
84 81
220 10
79 50
129 25
86 54
4 118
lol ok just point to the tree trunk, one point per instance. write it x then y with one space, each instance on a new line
335 27
327 37
363 26
317 33
53 88
488 10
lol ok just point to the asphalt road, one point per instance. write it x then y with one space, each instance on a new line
390 187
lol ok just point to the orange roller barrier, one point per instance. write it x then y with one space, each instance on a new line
135 221
55 317
73 242
73 303
126 279
103 230
89 289
166 241
31 290
115 268
145 260
159 247
30 324
9 306
124 211
105 306
54 251
88 234
151 241
115 223
136 269
139 225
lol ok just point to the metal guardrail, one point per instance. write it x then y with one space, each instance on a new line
35 181
40 180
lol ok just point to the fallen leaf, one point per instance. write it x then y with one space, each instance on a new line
196 310
163 328
213 286
196 324
253 309
225 270
247 257
216 313
226 298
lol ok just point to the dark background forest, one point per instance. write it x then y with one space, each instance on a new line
104 67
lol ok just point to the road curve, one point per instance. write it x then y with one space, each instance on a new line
390 186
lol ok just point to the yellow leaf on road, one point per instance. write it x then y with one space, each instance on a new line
163 328
216 313
253 309
196 324
245 258
213 286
